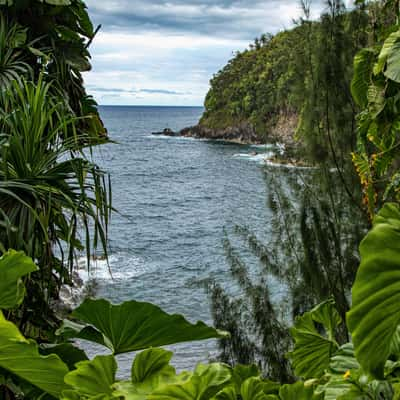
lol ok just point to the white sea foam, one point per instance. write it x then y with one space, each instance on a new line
260 157
287 165
168 137
119 267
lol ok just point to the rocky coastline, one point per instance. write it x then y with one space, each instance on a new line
243 133
281 131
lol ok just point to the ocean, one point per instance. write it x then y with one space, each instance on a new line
175 198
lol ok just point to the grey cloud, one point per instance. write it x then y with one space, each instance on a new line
225 18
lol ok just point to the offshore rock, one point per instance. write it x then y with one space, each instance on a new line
240 133
166 132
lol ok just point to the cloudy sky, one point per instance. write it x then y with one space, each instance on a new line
164 52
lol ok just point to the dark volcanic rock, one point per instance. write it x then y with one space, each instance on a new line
166 132
241 133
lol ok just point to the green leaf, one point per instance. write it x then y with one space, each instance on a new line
335 387
227 393
243 372
92 378
390 57
151 362
21 357
13 266
393 63
150 371
299 391
312 350
386 51
256 389
363 65
342 363
205 383
375 314
344 360
135 326
68 353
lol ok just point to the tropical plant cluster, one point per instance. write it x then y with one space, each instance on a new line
54 200
50 188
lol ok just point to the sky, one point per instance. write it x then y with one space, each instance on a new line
164 52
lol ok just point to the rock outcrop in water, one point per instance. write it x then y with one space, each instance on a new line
241 133
166 132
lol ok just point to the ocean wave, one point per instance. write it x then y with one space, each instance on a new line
260 157
119 267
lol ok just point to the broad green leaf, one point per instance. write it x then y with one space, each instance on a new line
337 386
393 63
150 371
140 391
363 65
151 362
374 317
299 391
340 373
93 378
387 50
13 266
312 350
257 389
246 381
242 372
135 326
227 393
390 57
68 353
344 360
21 357
206 382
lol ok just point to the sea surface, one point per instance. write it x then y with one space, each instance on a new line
175 198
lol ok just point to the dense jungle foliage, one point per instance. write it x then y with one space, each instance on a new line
347 347
49 186
318 215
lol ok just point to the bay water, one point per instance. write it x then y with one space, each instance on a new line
174 197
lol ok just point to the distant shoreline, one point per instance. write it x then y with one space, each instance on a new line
146 106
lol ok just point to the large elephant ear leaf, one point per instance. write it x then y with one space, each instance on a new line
204 384
21 357
151 362
134 326
299 391
257 389
313 350
150 371
374 317
390 58
341 368
13 266
93 378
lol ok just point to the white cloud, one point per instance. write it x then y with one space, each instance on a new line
173 46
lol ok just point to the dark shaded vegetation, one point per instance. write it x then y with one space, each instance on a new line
318 216
51 193
54 203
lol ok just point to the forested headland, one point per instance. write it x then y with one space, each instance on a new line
336 83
